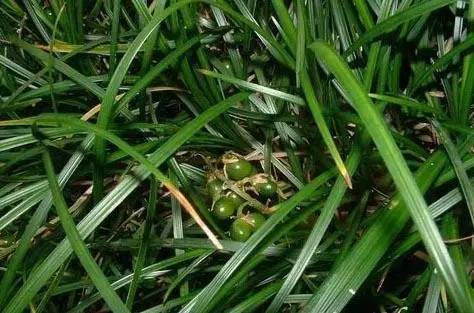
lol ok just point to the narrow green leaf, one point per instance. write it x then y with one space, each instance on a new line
314 239
433 294
443 61
144 243
397 19
307 86
301 41
407 103
316 111
62 67
400 172
336 291
467 85
466 186
79 247
115 35
257 299
256 87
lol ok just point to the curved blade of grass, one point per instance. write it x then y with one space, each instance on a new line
406 103
108 100
433 294
397 19
199 304
185 272
144 242
255 87
39 216
467 85
257 299
301 41
443 61
466 186
167 61
314 239
149 271
334 294
79 247
318 117
7 63
309 92
115 35
61 67
399 171
41 274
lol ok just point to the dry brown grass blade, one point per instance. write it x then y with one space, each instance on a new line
191 211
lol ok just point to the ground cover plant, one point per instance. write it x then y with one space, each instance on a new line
236 156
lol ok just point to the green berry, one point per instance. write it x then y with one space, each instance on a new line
264 185
214 187
49 14
235 198
255 220
238 169
240 230
227 65
267 190
224 208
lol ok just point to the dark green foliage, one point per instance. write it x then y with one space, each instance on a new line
236 156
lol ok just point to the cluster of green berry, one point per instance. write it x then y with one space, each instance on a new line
237 191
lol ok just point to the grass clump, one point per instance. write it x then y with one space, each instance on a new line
236 156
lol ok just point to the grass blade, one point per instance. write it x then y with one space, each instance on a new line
314 239
464 182
301 41
79 247
144 242
62 67
398 19
256 87
402 176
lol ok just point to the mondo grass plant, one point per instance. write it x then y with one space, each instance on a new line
200 156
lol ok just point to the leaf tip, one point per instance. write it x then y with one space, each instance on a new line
347 178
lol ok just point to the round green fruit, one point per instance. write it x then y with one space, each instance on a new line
240 230
236 168
265 186
214 187
49 14
255 220
238 200
227 65
224 208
